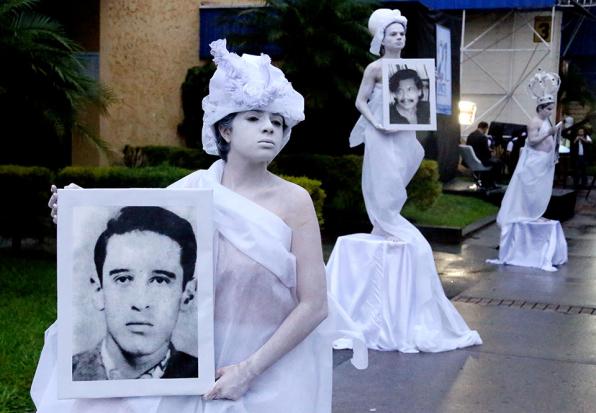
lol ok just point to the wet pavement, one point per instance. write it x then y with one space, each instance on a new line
539 351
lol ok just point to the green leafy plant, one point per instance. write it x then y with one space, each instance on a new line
194 88
43 85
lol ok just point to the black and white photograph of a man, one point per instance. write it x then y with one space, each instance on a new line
409 94
135 292
144 261
409 105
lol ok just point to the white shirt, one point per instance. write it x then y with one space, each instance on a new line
580 146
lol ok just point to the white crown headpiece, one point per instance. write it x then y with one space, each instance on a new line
247 83
543 87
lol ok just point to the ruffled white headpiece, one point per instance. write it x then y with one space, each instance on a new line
543 86
378 21
247 83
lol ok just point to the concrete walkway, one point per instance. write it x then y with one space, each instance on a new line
539 351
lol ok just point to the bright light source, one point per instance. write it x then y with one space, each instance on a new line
467 112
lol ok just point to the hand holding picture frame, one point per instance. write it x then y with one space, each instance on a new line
409 100
135 292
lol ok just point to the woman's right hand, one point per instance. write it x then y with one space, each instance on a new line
53 202
379 126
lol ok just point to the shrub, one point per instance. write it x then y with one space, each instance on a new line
24 211
424 188
142 156
341 180
194 88
159 177
314 189
120 176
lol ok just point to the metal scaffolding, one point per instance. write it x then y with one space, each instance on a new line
506 96
570 3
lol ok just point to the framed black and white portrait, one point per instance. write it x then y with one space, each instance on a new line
135 292
409 100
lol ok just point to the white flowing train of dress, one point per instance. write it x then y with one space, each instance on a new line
526 238
422 319
255 278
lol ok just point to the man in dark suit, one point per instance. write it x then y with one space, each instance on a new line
581 150
145 261
478 140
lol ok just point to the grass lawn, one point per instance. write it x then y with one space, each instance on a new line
27 308
451 211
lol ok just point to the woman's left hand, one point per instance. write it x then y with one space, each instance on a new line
231 382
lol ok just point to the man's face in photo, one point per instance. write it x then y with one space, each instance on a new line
142 290
407 94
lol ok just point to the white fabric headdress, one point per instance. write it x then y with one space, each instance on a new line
247 83
379 20
543 87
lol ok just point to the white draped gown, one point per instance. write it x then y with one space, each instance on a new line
255 280
526 238
415 315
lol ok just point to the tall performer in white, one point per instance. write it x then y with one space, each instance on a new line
271 354
422 319
527 239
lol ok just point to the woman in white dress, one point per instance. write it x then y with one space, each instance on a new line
431 323
530 189
270 292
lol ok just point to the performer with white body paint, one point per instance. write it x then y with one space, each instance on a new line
387 281
527 239
272 353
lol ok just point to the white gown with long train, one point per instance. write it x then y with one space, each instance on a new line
526 238
255 279
387 281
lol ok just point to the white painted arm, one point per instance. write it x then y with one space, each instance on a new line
365 91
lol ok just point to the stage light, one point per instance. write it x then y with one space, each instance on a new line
467 112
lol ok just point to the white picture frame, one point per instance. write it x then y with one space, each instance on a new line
415 89
86 343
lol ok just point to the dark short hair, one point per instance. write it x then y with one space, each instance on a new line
404 74
154 219
223 147
482 125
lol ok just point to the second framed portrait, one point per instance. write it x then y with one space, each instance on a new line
409 101
135 292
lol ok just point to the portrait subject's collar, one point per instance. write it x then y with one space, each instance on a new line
112 372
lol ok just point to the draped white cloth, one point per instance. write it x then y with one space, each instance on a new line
255 278
392 292
540 244
387 281
390 162
526 239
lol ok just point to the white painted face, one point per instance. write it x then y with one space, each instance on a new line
395 37
255 135
547 110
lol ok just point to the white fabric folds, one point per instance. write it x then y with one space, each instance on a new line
540 244
527 239
396 300
255 279
387 281
530 188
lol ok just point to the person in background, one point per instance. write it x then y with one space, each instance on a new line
479 141
581 149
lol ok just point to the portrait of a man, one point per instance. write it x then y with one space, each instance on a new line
409 96
144 262
408 105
